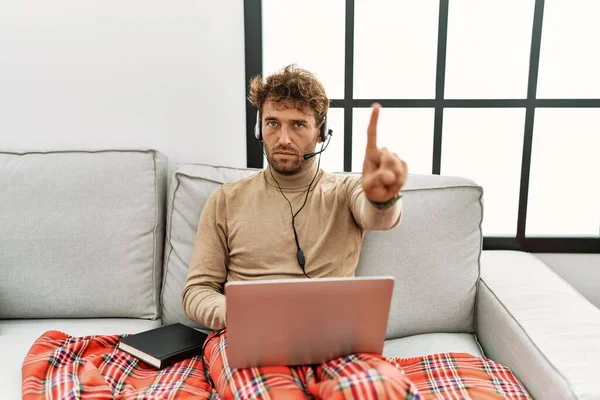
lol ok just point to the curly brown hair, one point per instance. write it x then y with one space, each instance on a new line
291 84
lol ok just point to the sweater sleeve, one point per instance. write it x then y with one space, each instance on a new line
202 298
366 215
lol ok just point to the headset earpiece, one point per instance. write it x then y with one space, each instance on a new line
323 130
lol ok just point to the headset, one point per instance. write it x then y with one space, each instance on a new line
323 131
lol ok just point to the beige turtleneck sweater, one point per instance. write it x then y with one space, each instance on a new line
245 232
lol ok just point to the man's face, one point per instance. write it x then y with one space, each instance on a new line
288 134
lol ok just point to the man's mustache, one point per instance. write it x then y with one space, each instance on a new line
284 150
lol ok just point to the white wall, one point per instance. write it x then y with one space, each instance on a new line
91 74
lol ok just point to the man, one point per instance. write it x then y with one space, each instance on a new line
292 220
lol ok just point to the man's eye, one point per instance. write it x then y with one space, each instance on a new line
271 124
299 125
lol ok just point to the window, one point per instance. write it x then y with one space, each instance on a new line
484 59
310 33
405 131
564 184
395 52
486 144
569 59
495 91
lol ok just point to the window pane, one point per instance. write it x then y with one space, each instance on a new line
569 56
332 159
488 49
395 48
310 33
407 132
486 145
564 182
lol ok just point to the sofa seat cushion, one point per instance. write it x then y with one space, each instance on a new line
432 343
17 336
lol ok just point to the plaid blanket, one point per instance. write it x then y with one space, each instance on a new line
59 366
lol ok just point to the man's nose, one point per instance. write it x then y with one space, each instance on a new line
284 137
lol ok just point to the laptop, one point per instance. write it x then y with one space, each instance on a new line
297 322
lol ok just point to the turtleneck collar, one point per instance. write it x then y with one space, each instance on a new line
297 181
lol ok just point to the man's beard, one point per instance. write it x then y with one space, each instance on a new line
291 165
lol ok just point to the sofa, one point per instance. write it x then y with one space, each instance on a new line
98 242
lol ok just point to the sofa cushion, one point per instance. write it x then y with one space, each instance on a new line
432 343
433 254
17 336
81 233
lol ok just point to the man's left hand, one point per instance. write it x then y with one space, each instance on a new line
384 173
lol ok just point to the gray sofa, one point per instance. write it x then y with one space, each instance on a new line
97 242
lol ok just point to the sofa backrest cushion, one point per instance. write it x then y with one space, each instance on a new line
81 233
433 254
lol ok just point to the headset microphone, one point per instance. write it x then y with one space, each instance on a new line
310 155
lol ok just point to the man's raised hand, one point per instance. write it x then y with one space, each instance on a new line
384 173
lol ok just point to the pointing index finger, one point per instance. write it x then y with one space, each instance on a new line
372 129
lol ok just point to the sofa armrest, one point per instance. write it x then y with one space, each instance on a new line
532 321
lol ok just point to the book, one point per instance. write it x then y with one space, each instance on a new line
166 345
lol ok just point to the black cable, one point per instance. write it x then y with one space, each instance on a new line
300 254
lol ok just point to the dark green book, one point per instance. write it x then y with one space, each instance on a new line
164 346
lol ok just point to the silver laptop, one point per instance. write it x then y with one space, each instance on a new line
298 322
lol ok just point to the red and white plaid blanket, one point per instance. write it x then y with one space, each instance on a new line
59 366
